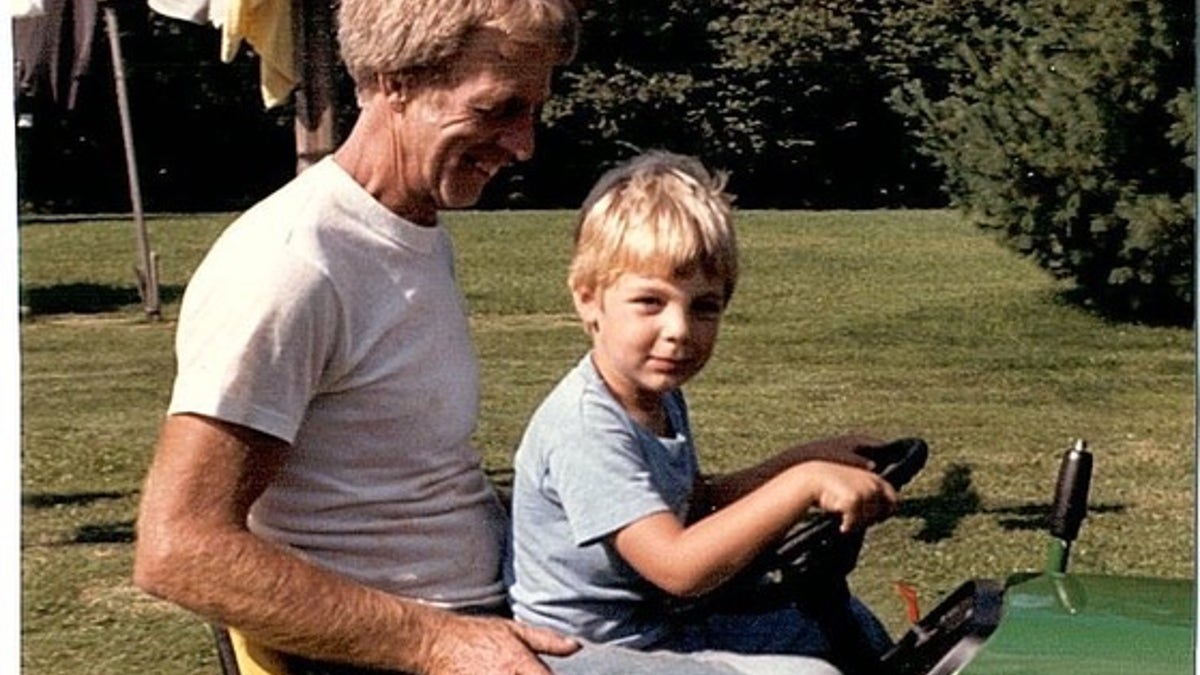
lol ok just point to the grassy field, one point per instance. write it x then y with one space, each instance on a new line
897 323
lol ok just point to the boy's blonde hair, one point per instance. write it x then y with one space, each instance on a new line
659 214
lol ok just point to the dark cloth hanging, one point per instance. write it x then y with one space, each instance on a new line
52 50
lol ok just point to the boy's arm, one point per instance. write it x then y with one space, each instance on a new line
690 560
718 491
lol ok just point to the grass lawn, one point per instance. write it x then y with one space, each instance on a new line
898 323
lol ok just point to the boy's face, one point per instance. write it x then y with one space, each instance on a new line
651 334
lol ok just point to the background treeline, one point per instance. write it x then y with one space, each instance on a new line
1068 126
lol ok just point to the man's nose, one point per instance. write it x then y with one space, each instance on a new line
517 138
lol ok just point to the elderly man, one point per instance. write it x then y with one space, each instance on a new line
313 484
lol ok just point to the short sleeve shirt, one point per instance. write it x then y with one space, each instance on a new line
323 319
585 470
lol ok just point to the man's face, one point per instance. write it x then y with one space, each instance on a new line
458 135
651 334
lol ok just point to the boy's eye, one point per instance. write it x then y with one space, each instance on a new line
707 308
648 300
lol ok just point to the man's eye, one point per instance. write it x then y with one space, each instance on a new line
486 112
503 111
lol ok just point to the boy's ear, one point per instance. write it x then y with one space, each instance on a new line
587 305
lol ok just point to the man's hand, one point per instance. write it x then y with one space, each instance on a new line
470 645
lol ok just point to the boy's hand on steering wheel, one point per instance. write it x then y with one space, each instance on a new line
860 497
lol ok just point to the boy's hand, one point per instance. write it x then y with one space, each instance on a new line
861 497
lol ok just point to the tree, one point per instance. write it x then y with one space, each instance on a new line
778 92
1067 127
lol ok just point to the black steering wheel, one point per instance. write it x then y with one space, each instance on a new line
814 552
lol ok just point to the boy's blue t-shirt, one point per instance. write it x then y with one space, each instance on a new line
583 471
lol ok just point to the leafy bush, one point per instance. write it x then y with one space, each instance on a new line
779 92
1068 127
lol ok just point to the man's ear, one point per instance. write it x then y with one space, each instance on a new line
395 90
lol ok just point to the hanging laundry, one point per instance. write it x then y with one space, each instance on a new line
266 25
21 9
52 49
195 11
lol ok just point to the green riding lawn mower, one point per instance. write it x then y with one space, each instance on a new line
1040 622
1048 622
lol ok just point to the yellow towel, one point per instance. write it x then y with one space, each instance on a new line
267 26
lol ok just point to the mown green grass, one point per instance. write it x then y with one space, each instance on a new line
895 323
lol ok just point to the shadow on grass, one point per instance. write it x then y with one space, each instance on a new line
105 533
1160 309
502 480
46 501
1037 516
957 499
87 298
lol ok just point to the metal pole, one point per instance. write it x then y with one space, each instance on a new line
312 26
146 272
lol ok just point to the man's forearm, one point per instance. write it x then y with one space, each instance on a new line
193 549
282 601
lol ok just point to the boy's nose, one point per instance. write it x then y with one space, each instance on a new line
675 324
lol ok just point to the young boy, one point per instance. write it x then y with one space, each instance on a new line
610 515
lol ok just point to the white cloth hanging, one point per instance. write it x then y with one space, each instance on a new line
266 25
23 9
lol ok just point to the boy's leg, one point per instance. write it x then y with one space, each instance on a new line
610 660
839 625
872 628
781 630
594 659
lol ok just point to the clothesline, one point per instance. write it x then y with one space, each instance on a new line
292 38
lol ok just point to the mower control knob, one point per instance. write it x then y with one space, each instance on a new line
1071 493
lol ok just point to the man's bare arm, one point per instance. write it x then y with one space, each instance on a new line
194 549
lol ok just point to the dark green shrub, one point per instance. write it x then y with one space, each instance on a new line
1069 128
779 92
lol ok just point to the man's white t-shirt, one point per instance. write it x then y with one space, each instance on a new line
322 318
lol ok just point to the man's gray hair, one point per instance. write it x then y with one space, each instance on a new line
422 38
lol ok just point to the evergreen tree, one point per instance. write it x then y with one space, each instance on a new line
1068 127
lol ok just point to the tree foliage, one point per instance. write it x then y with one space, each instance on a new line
780 93
202 138
1066 126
